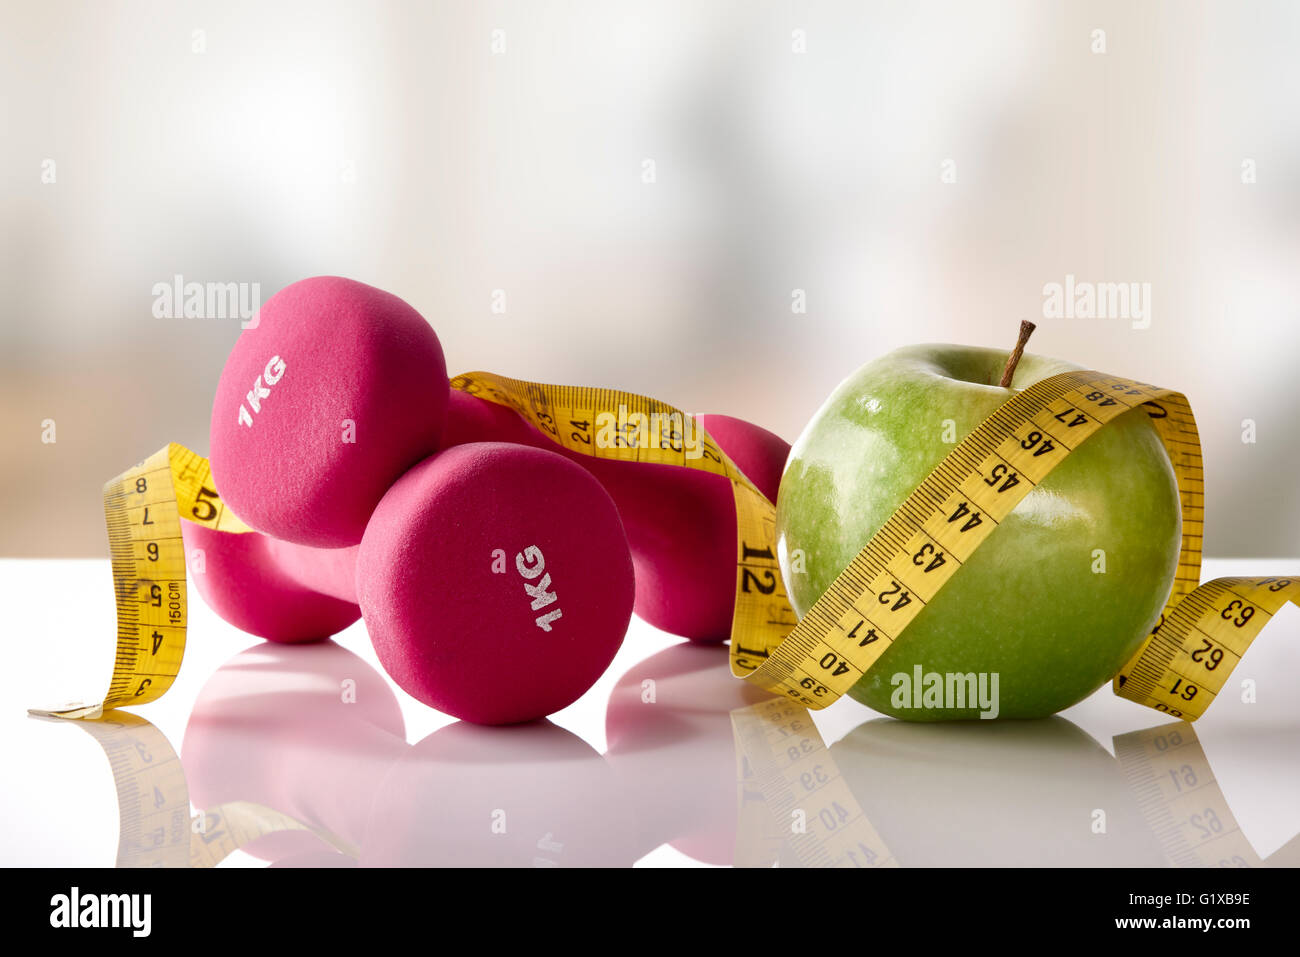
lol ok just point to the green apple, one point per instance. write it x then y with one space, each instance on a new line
1057 598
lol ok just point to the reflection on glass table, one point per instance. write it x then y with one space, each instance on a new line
298 756
998 794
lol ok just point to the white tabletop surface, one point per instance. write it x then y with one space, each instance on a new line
631 782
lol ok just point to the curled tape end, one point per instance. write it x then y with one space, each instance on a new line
70 711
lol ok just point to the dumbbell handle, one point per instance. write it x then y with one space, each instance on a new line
330 571
273 589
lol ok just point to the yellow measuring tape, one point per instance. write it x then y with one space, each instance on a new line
143 507
1179 669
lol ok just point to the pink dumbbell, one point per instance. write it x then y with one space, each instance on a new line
336 391
276 590
681 523
495 581
332 360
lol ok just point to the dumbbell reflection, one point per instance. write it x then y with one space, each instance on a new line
307 731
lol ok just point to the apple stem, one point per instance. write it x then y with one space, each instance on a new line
1026 330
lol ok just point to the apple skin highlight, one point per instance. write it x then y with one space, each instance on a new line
1029 605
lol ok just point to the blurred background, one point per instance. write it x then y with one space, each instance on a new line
726 205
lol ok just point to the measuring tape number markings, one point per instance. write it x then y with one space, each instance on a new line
1179 669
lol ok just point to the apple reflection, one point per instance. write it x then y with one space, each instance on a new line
1037 793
